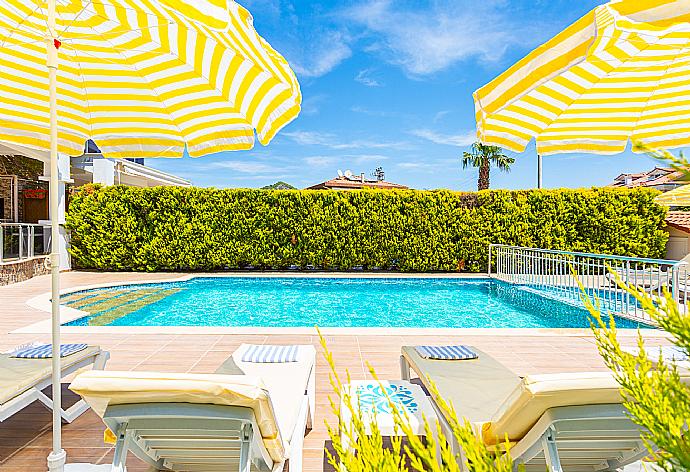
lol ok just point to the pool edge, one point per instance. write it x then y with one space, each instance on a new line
42 303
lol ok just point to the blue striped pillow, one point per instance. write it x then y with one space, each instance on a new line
269 354
446 353
45 351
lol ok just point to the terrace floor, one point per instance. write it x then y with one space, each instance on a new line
25 439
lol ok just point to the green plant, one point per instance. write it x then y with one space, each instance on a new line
369 454
653 392
483 156
656 396
168 228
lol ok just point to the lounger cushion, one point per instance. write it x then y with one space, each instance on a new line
101 389
19 375
476 387
537 393
286 382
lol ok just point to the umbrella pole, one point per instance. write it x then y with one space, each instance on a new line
538 170
56 459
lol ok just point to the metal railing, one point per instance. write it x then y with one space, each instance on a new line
556 273
19 241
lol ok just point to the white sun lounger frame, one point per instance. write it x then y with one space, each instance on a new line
603 434
201 437
24 399
581 438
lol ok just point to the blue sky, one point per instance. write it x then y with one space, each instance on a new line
389 83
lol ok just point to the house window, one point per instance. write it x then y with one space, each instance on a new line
2 208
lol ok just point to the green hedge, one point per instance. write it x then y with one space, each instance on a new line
167 228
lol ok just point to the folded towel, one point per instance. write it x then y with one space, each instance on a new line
447 353
268 353
45 351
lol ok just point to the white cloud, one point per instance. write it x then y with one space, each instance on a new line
311 105
439 115
310 138
322 55
429 39
364 78
246 167
411 165
365 158
379 113
460 140
319 161
331 141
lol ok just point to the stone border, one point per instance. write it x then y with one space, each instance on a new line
18 271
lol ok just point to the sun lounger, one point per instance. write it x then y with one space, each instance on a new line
570 422
254 416
22 380
479 385
649 280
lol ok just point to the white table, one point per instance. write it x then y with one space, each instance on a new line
374 405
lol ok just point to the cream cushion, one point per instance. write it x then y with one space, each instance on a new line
19 375
537 393
475 388
101 389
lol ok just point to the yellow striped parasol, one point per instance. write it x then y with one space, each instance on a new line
620 73
142 78
677 197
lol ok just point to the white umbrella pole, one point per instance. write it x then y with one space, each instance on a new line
539 171
56 459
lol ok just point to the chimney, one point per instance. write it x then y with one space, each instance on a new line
628 180
361 177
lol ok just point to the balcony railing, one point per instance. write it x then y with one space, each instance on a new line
19 241
556 274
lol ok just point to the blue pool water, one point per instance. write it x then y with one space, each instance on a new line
328 302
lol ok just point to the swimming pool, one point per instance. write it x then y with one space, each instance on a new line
327 302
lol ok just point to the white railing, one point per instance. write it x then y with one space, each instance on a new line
19 241
555 274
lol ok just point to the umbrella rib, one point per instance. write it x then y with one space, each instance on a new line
659 80
78 14
95 13
579 95
177 59
86 97
18 27
199 75
208 34
120 7
144 79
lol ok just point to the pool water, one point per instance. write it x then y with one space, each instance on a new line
327 302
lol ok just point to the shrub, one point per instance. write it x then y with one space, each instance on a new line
168 228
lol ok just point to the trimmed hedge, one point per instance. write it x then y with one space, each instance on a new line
168 228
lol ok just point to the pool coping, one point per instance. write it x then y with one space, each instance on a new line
67 314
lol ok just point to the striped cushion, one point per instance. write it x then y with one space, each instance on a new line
449 353
45 351
268 353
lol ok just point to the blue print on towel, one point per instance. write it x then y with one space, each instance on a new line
372 397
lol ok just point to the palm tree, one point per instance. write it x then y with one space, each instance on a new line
484 156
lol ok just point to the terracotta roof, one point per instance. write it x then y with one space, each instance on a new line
642 179
679 220
356 183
